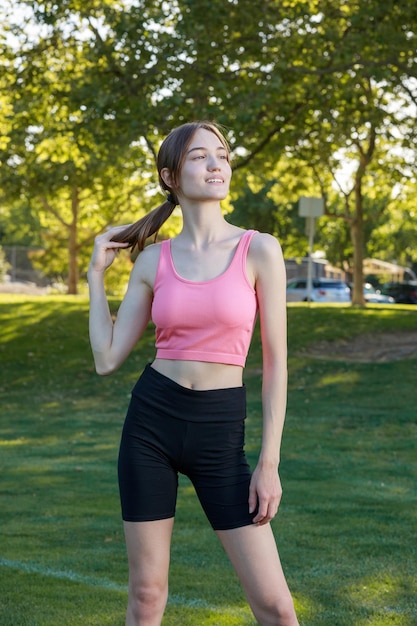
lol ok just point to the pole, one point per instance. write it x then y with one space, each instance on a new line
311 229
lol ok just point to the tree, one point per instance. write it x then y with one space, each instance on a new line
362 141
56 159
365 114
300 77
395 237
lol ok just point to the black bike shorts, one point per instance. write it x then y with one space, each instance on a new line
171 429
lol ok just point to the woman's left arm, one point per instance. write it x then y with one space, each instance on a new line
266 259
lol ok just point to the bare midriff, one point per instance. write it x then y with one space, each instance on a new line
199 375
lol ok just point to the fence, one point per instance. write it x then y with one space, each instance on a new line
22 269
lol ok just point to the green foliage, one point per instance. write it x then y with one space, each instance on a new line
88 90
20 224
395 237
259 210
333 237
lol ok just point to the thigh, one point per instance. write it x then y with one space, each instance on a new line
148 550
253 553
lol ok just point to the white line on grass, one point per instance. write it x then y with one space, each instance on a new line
33 568
103 583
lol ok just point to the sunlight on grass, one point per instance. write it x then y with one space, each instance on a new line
373 591
227 616
339 378
319 305
304 606
388 618
44 441
13 442
386 595
11 334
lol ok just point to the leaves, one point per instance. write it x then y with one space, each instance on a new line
90 88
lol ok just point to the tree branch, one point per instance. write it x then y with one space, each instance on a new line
51 210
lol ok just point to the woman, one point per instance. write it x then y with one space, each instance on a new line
203 290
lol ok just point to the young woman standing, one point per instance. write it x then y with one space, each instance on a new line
203 291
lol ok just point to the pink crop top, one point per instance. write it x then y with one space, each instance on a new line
212 320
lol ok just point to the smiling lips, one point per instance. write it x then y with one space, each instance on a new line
215 180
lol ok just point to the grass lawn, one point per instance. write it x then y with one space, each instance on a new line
347 524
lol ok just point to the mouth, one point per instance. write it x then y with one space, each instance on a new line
217 181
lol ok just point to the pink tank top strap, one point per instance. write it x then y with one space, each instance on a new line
244 243
239 259
164 261
165 248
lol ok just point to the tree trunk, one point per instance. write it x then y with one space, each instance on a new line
72 247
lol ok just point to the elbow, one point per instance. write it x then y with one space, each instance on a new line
104 368
104 371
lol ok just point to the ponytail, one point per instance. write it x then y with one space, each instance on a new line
137 234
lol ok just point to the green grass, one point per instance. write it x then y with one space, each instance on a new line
347 523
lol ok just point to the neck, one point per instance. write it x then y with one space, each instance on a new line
203 223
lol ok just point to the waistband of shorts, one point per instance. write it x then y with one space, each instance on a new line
227 404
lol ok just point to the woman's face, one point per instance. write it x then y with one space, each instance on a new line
205 173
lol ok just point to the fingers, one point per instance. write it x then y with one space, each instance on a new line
266 496
103 247
105 250
107 236
266 511
104 242
116 229
112 245
253 498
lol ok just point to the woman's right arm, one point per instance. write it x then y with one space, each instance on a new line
111 342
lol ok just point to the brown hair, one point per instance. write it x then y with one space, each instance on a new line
171 156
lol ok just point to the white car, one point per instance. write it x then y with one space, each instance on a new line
375 297
323 290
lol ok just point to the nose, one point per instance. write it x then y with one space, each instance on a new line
213 163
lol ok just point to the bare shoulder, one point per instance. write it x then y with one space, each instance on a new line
265 260
150 254
265 248
146 264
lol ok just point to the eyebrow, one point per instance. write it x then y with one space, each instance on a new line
205 148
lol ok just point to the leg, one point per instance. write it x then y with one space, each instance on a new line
148 550
254 555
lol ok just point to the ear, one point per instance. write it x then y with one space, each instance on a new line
166 177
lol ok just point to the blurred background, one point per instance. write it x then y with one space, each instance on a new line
317 99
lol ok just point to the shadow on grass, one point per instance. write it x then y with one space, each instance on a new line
346 526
